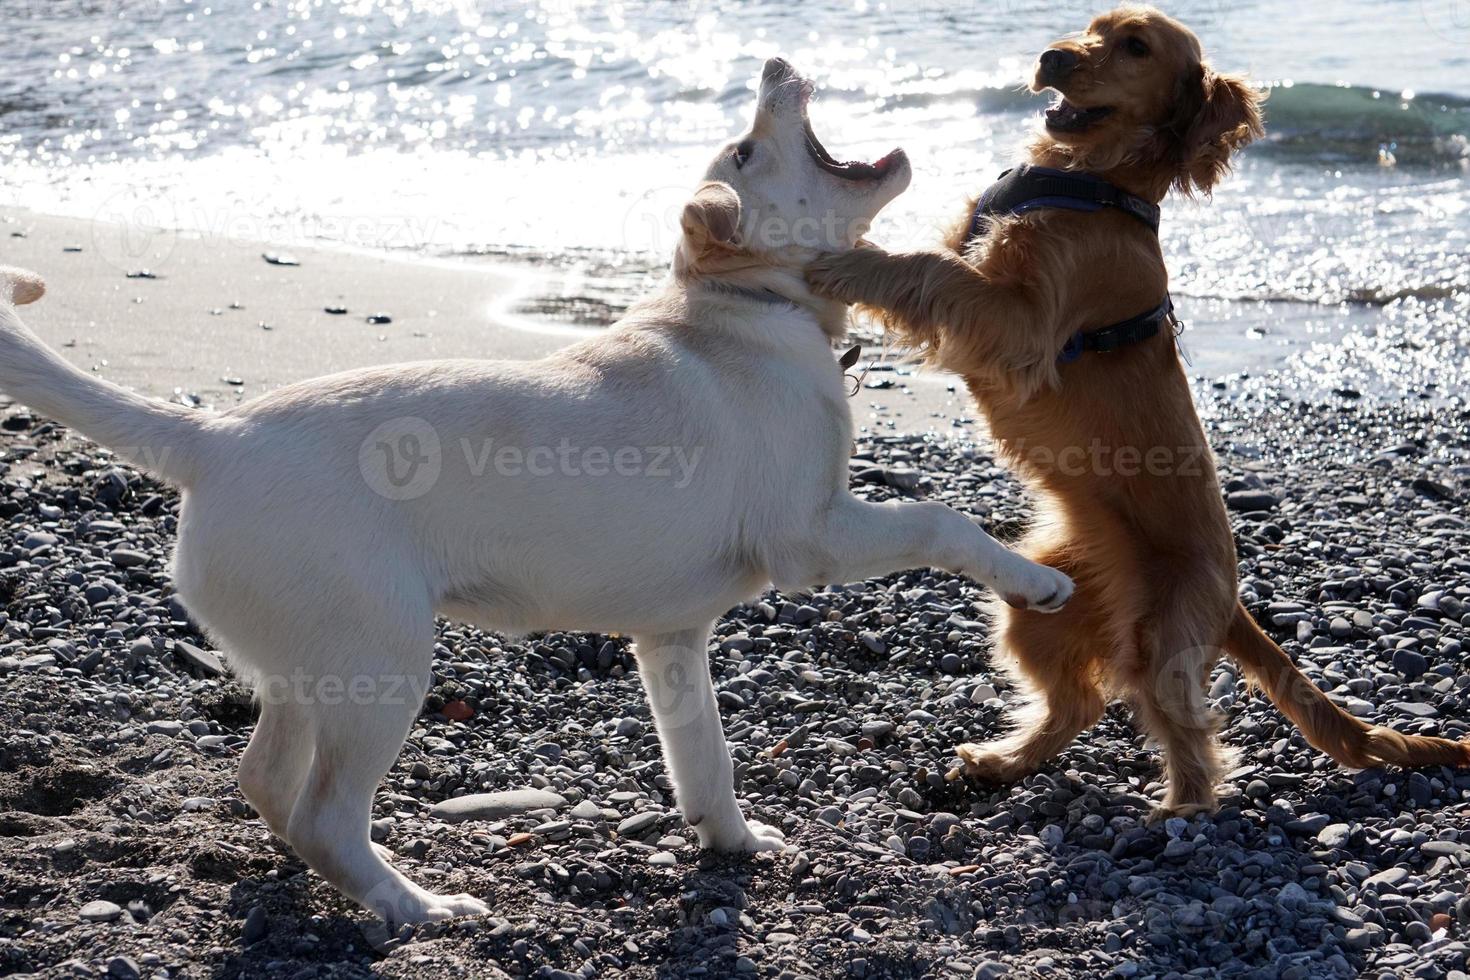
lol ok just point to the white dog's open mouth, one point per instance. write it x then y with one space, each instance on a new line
849 169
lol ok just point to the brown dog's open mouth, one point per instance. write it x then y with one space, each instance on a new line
851 169
1064 117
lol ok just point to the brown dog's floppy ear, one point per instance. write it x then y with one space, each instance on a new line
1215 116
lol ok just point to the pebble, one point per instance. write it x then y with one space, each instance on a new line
496 806
1409 664
1251 500
256 926
586 810
100 911
637 824
204 661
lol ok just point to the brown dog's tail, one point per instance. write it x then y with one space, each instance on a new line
1326 726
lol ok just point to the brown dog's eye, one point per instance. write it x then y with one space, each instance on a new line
743 152
1136 47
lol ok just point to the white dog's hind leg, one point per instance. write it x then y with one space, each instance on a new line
675 672
861 539
357 740
276 761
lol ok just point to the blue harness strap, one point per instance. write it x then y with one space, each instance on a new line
1028 188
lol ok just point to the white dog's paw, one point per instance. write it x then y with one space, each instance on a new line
454 906
761 837
1034 587
419 905
741 837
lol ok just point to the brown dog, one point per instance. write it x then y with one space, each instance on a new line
1110 442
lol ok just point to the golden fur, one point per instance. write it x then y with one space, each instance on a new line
1110 443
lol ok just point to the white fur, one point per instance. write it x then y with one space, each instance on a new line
321 576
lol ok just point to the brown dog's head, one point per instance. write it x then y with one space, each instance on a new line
1135 90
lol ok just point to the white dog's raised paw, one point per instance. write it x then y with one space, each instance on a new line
20 286
1038 588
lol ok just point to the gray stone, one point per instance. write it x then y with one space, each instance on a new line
256 926
637 824
203 661
1409 664
1249 500
496 806
100 911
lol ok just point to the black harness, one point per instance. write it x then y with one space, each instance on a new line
1026 188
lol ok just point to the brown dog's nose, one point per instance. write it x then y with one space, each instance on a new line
1057 63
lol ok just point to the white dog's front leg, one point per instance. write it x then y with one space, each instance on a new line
675 672
861 539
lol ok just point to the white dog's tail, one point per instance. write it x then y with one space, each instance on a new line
152 435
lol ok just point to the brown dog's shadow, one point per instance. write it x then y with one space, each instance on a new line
1250 883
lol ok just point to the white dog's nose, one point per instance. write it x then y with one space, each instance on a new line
777 70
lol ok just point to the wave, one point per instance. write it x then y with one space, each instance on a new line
1306 122
1354 125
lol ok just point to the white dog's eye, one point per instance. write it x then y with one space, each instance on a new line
743 152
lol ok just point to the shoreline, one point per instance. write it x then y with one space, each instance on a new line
198 328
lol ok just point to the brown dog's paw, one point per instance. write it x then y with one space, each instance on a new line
840 275
1185 810
986 766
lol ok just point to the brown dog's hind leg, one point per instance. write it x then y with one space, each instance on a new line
1168 692
1055 660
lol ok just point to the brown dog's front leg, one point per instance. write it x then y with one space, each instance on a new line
940 301
890 284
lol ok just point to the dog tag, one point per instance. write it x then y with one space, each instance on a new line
1179 339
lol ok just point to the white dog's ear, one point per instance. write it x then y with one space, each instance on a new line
20 286
710 222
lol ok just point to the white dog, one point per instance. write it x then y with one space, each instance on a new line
641 482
